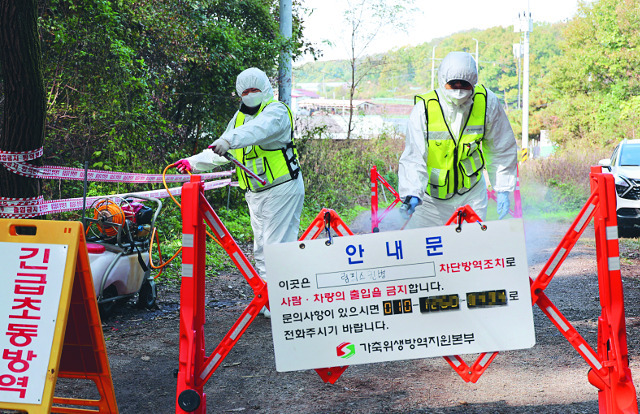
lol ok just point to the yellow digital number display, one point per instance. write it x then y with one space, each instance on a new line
439 303
397 306
486 298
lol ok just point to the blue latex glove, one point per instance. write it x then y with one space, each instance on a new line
409 206
503 204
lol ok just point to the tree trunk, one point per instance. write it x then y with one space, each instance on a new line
352 91
24 103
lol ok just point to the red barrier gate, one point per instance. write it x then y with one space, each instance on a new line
376 217
609 372
195 368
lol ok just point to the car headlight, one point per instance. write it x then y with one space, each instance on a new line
623 184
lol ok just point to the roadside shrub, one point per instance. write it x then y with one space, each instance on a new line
559 183
337 172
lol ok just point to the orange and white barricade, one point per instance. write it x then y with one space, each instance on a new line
609 372
195 367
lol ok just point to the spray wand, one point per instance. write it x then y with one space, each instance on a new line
244 168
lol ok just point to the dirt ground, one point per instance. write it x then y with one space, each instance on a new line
549 378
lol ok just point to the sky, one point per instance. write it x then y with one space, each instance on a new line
433 20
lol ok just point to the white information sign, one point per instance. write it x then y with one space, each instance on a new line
29 300
400 295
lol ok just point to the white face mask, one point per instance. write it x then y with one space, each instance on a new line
252 99
458 96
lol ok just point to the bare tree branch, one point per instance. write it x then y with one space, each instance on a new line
366 19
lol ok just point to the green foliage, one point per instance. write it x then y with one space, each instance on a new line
134 86
629 248
583 79
406 72
216 260
169 224
336 173
169 221
566 195
595 78
238 222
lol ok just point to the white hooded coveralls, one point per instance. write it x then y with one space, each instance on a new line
275 212
499 148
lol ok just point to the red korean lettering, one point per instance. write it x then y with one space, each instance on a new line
17 363
21 334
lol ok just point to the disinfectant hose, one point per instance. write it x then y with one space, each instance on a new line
155 235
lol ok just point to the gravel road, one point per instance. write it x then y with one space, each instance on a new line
549 378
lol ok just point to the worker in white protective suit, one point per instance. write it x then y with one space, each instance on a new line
260 135
454 133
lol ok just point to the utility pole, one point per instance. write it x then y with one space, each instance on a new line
284 73
433 67
476 55
525 26
517 54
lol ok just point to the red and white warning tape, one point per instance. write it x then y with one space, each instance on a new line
67 173
10 156
33 207
16 163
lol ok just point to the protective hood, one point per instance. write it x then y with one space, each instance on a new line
457 66
254 78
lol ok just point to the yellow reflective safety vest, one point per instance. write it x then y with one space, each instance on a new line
454 165
275 166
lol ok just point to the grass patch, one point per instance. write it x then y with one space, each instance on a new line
630 248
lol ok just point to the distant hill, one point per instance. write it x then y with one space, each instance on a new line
584 83
405 72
